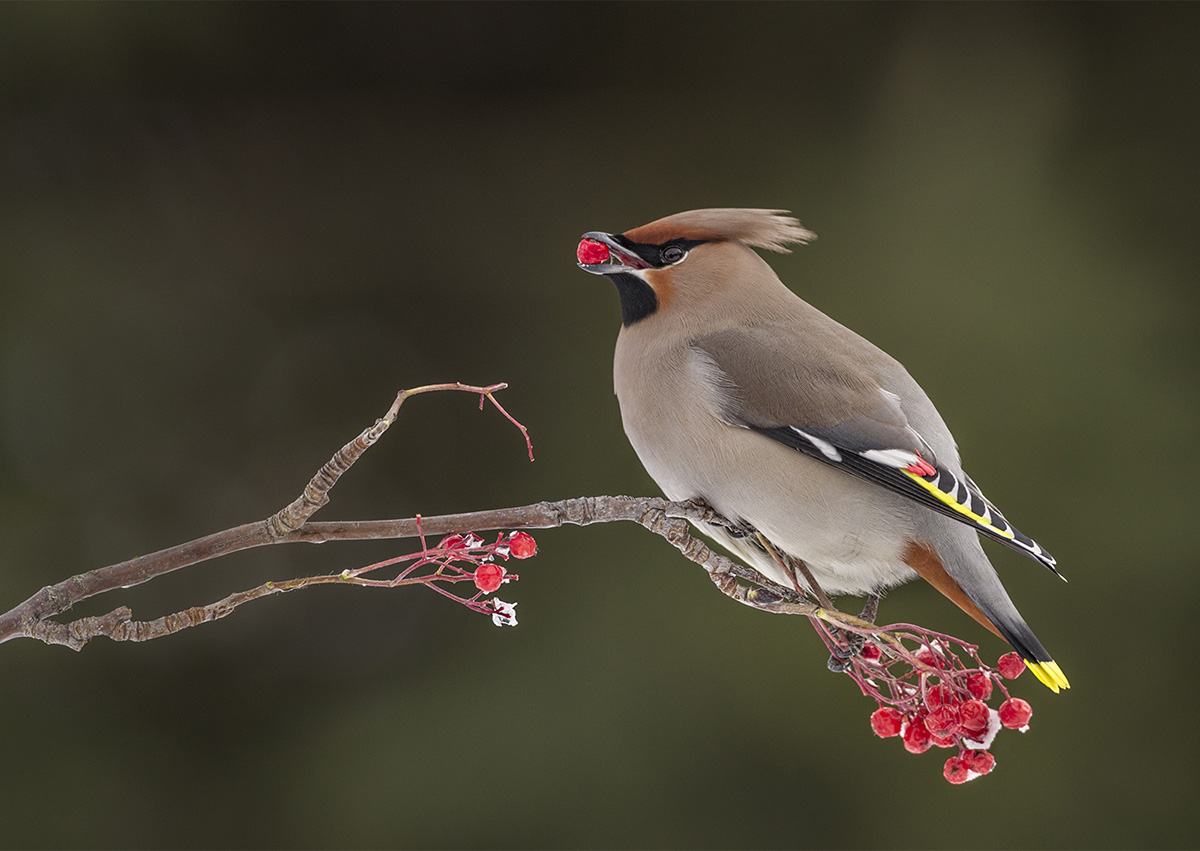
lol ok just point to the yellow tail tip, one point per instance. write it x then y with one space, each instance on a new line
1049 675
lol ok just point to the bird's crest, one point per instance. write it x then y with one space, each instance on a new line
773 230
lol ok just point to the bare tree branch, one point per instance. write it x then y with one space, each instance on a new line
32 618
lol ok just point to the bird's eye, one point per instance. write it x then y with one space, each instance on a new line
672 254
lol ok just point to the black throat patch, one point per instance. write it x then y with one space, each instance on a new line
637 298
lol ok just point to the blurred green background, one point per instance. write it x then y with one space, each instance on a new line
231 232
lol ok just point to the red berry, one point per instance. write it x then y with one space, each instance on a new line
941 695
974 714
871 652
956 770
489 577
929 657
979 685
1015 713
916 736
944 741
981 762
886 722
522 545
1010 666
452 542
590 251
944 721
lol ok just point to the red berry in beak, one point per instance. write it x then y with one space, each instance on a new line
590 251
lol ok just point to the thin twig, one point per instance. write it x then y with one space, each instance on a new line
316 493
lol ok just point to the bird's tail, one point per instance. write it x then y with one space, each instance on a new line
993 609
1017 633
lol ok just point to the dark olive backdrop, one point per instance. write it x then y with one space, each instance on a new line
231 233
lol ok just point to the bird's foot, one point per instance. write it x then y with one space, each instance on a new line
707 514
758 598
764 599
847 645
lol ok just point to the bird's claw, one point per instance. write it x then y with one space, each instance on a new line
763 598
838 666
839 661
712 517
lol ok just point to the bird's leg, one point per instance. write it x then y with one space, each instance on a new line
839 661
846 645
871 609
790 565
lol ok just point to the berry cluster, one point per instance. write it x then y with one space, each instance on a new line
488 575
928 697
455 559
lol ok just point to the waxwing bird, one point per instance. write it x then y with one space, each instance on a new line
736 392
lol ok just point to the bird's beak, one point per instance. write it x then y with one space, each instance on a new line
600 254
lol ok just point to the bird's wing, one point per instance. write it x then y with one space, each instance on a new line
833 409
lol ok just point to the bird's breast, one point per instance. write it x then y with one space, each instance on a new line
851 533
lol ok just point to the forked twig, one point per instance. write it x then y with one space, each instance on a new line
316 493
31 618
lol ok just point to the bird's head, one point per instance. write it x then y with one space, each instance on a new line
689 254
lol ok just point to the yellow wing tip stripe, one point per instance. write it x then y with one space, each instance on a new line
962 509
1049 675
